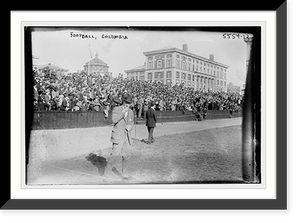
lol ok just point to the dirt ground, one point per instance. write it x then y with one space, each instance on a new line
206 156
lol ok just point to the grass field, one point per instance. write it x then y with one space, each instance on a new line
207 156
203 156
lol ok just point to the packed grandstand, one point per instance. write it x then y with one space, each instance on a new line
80 91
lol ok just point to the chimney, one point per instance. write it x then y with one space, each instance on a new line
185 47
211 57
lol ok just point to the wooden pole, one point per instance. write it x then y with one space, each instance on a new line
248 151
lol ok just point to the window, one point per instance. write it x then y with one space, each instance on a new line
169 74
159 64
177 63
169 63
169 82
193 77
158 75
183 76
150 65
217 82
150 76
177 74
183 65
189 77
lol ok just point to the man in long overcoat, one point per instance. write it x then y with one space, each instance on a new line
150 122
123 121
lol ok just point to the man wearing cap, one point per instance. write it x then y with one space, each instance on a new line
150 122
123 120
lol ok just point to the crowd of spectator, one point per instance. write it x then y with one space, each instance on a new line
82 92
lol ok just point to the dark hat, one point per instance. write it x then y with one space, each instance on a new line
128 99
151 104
116 100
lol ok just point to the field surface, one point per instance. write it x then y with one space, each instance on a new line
205 155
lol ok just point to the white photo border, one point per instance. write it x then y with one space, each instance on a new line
228 18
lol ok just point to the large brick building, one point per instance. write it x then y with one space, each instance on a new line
175 66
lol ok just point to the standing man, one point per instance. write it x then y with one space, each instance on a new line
150 122
139 106
123 121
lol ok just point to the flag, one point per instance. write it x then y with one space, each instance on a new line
91 55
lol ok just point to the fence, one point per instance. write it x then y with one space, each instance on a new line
88 119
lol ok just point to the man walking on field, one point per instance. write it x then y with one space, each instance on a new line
123 121
150 122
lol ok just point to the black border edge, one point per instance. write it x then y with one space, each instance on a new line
190 204
281 108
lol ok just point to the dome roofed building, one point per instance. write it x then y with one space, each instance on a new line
96 66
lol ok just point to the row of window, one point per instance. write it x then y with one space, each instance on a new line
184 58
137 78
183 63
184 76
186 83
159 64
137 73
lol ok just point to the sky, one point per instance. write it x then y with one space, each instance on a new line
68 49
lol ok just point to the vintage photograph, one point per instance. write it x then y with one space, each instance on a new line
142 105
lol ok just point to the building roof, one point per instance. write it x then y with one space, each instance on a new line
97 61
51 66
139 68
167 48
171 49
